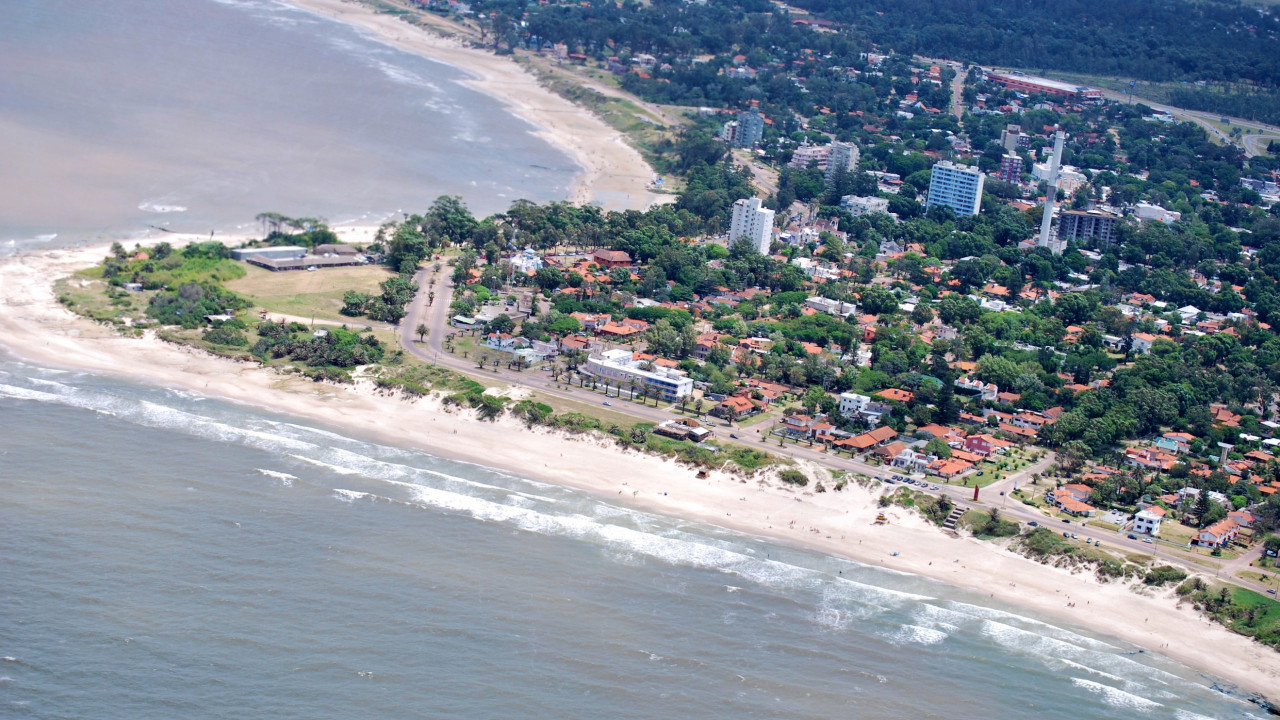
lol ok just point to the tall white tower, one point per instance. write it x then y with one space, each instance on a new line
751 220
1046 223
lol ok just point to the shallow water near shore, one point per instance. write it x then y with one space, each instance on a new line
197 115
172 555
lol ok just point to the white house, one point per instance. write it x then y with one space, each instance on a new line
1147 522
852 403
864 205
1142 342
831 307
987 391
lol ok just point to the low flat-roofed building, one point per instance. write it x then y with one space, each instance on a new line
302 263
278 251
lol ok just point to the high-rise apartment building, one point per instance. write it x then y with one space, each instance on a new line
750 129
754 222
1088 224
844 156
956 186
1011 168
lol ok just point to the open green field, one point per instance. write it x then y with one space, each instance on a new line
308 294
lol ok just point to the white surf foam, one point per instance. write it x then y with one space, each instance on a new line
917 635
284 477
328 466
1115 696
1086 668
351 495
160 207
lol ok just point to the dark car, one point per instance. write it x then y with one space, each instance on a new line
1033 523
1131 536
735 437
1066 521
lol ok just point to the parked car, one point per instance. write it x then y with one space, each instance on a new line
1066 521
1132 536
606 404
735 437
1033 523
1147 541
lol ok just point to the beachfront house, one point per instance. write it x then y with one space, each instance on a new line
1147 522
1218 534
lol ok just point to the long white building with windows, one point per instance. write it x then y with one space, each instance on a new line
956 186
619 368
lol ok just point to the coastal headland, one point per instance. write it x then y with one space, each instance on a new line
36 328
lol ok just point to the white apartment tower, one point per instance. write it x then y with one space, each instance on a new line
754 222
844 156
957 187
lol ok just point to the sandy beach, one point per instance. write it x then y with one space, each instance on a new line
613 173
34 327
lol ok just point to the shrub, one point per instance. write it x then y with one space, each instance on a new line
794 477
1163 575
225 335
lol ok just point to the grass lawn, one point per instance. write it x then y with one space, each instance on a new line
973 479
309 294
757 419
1268 611
1176 532
1265 579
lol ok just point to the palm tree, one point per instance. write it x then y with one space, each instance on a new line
651 391
633 389
422 330
480 361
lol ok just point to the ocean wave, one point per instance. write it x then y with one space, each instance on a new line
285 478
403 76
160 208
917 635
327 466
352 495
1115 696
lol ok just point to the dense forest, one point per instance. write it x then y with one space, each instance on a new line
1157 41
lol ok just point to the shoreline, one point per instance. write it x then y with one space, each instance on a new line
35 328
612 172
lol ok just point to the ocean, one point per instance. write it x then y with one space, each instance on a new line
198 115
167 555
